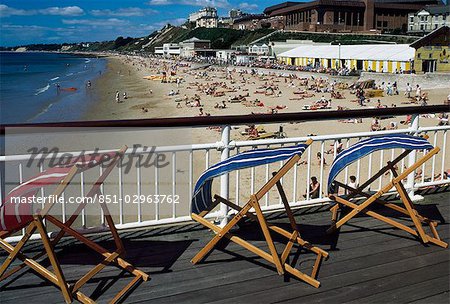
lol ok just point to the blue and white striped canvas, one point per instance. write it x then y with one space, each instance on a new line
202 198
372 144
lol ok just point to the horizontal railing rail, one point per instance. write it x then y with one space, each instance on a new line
228 120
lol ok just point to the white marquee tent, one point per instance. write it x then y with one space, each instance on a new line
377 57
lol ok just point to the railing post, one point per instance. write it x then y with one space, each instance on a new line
412 159
224 179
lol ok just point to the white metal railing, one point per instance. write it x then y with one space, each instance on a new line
240 183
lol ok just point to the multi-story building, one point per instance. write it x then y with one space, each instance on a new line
248 22
259 49
207 21
429 18
206 17
192 46
348 15
168 49
188 48
225 22
235 13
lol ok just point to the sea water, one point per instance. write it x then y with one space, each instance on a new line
46 87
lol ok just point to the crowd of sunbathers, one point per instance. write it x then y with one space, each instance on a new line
233 85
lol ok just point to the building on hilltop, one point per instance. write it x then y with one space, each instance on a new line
247 22
348 15
205 17
432 51
429 18
207 22
257 21
235 13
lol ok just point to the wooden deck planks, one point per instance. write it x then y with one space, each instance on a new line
371 263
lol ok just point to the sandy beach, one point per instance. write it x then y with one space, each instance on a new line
149 98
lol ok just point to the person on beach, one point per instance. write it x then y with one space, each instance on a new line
389 89
375 126
339 147
407 121
320 158
393 125
408 90
117 96
125 95
314 188
443 119
352 183
418 93
395 88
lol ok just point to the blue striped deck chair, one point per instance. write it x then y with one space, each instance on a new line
203 203
363 148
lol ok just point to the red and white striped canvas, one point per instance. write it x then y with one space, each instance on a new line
16 211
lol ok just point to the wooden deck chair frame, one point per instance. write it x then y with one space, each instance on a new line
70 291
273 257
408 208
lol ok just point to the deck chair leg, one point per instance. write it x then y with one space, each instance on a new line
205 250
289 246
334 213
295 233
286 205
410 207
393 223
267 236
412 212
54 241
53 260
276 229
12 256
112 228
295 237
121 263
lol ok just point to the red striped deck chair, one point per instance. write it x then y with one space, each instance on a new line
16 213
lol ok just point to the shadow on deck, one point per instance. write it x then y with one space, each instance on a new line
369 262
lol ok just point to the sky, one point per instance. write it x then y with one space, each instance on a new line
57 21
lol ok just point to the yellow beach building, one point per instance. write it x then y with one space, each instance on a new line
433 51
